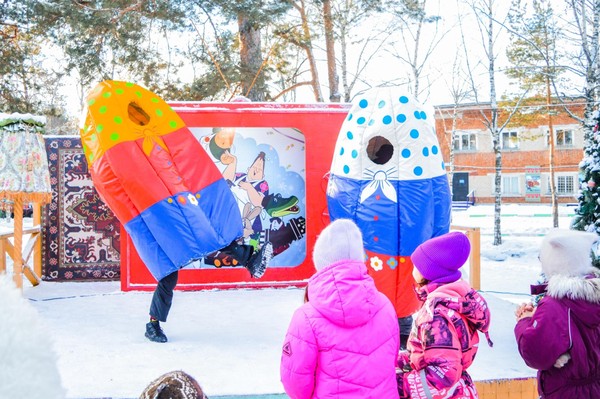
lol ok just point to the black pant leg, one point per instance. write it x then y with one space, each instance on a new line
405 324
163 297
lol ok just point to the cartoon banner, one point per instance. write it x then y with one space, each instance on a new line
265 170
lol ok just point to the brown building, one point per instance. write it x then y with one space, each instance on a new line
525 152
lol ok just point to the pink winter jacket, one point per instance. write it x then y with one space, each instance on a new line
344 342
444 342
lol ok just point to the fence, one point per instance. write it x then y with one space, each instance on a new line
31 251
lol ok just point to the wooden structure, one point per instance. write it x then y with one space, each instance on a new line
516 388
24 177
31 258
474 235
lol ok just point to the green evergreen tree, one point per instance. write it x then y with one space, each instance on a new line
587 216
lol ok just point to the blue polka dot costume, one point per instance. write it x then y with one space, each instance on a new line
388 175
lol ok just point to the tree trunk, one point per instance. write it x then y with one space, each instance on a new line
451 147
252 79
415 71
495 132
551 141
344 67
334 91
316 85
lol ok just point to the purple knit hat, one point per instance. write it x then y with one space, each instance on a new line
439 259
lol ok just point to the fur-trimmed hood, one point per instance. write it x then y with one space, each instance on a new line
578 293
585 288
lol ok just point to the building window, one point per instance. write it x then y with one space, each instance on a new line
565 185
564 138
464 141
510 141
510 185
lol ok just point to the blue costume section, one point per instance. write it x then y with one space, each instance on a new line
166 247
395 228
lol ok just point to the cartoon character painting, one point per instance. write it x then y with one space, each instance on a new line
388 175
268 195
218 145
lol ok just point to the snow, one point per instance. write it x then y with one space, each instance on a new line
27 118
230 340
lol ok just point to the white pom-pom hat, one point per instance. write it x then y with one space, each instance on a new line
341 240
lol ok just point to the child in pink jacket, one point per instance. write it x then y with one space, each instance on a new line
344 341
444 339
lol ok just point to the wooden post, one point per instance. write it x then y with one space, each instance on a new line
2 256
474 235
475 259
18 238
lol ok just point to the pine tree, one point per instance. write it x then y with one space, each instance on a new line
588 212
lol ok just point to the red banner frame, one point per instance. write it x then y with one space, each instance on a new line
320 124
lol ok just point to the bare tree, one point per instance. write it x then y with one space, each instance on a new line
332 76
585 32
347 16
582 32
415 50
533 53
300 35
459 91
485 13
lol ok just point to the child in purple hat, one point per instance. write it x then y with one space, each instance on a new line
444 338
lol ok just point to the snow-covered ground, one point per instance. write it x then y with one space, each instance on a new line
231 340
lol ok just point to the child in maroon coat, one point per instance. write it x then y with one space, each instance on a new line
560 335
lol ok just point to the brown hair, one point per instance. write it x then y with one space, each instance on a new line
306 294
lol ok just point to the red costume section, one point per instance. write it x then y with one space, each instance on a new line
397 284
319 125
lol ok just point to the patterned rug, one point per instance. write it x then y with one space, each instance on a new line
80 234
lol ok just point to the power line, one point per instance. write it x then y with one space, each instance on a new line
513 167
447 108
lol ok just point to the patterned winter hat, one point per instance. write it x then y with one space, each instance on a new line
174 385
439 259
567 252
341 240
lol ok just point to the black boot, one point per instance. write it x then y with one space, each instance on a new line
154 333
257 265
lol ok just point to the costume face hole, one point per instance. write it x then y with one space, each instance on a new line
380 150
137 114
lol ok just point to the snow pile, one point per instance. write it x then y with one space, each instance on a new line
28 369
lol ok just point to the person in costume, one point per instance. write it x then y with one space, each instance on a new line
235 254
164 188
444 339
388 175
343 341
558 333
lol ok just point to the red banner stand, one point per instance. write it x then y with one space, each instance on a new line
320 124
